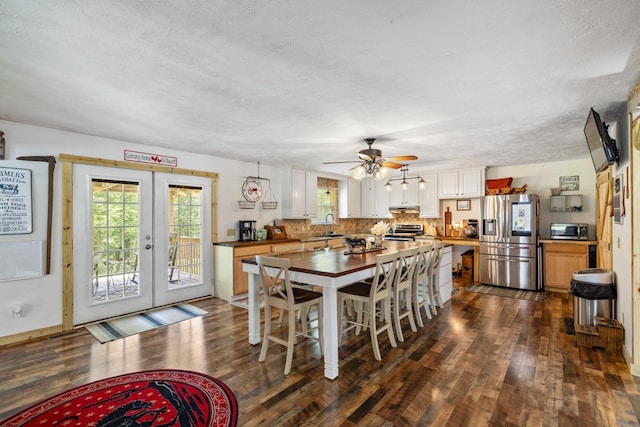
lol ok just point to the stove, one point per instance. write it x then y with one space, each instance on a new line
405 232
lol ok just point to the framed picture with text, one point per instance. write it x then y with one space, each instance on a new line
463 205
570 183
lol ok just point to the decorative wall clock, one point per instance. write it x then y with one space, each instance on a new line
252 189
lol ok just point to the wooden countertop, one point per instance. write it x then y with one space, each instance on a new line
466 241
237 244
573 242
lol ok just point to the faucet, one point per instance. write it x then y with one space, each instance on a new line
326 223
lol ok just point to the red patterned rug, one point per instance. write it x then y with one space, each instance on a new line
149 398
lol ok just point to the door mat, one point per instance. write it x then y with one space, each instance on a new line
507 292
121 327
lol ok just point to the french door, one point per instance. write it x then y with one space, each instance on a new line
139 240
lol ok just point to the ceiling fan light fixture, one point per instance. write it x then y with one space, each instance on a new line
381 172
388 186
358 172
404 185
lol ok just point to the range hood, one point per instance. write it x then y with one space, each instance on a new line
404 209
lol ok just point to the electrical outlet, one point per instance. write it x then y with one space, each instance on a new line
17 311
231 232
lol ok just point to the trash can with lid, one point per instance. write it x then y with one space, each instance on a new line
594 295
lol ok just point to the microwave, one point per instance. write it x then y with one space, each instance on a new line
569 231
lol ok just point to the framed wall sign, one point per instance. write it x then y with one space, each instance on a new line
570 183
16 213
463 205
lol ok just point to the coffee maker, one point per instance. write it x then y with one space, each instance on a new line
247 231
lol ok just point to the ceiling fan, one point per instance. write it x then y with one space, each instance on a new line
372 162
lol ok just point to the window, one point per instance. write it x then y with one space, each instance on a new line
327 199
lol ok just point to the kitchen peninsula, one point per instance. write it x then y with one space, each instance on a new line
229 281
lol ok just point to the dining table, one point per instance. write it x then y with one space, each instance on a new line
329 269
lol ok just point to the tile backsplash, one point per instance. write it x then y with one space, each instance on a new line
303 228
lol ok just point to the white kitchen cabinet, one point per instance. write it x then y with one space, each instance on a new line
299 194
428 197
463 183
350 199
403 198
375 199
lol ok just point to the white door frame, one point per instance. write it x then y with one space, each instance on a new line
67 161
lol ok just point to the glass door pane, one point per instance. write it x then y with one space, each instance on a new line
116 233
183 250
184 228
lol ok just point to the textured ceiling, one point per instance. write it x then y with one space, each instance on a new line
457 83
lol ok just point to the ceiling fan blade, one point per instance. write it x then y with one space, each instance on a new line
392 165
401 158
347 161
365 157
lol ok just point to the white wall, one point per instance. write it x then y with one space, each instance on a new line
542 176
42 298
622 241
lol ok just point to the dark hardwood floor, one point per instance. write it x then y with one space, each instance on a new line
484 360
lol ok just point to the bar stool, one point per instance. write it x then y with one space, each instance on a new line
402 290
278 293
434 289
422 283
369 293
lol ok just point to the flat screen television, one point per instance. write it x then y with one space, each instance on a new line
601 146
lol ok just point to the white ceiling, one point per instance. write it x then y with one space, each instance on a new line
457 83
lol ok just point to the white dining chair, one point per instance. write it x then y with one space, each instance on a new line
279 293
422 283
435 277
366 295
402 290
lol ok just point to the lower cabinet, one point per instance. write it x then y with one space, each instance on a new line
560 261
445 278
229 281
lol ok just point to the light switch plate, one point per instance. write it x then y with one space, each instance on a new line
231 232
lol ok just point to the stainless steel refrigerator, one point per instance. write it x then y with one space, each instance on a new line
508 253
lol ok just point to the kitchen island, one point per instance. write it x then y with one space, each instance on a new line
331 270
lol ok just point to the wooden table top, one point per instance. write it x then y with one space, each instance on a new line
334 262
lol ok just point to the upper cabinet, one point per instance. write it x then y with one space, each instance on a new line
299 194
375 199
428 197
462 183
350 196
400 197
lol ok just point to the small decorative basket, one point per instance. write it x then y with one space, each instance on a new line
245 204
270 203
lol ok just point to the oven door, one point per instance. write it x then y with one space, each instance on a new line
400 238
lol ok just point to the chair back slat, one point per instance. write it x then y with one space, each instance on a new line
274 276
385 273
406 265
425 260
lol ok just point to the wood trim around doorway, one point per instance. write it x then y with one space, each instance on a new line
67 161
